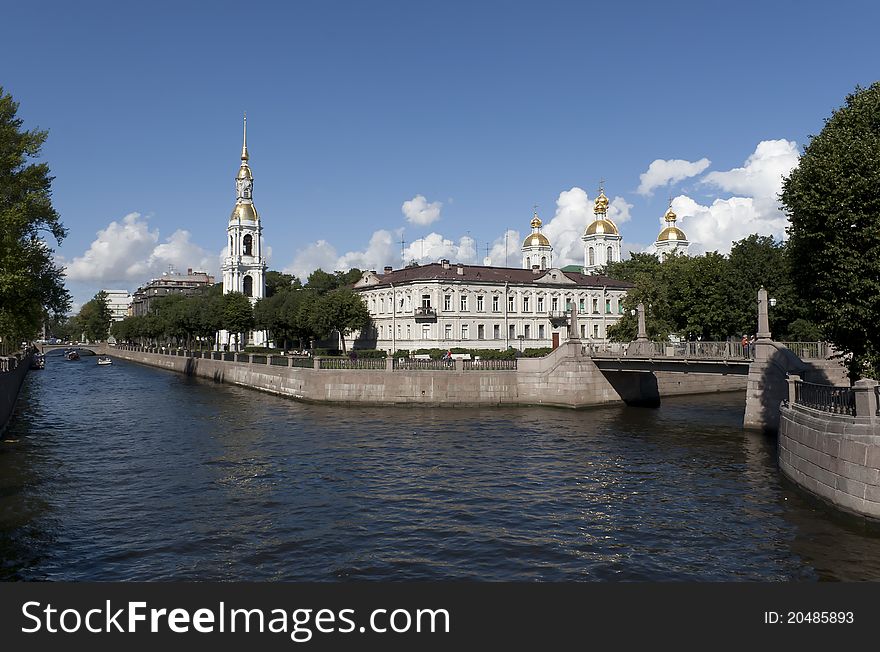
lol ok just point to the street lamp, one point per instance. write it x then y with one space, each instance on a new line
772 303
520 338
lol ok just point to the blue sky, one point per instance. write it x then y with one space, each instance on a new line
481 109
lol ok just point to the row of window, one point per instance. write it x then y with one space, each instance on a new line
482 331
464 304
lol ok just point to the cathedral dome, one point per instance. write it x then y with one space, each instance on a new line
601 205
536 222
245 212
671 233
536 240
602 226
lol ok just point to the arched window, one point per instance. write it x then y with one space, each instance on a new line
248 244
592 256
543 262
528 262
248 286
610 253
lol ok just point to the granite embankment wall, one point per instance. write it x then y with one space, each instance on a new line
835 457
566 378
10 386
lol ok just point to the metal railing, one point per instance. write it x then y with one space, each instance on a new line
8 364
490 365
684 350
424 365
302 363
827 398
278 360
808 350
877 399
348 363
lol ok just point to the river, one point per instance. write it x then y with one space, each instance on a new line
127 472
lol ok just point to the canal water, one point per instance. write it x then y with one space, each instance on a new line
132 473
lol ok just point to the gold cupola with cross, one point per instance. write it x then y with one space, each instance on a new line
601 238
671 239
536 249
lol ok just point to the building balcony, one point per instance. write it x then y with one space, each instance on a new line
558 318
425 314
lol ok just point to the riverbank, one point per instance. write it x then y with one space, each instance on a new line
565 378
14 371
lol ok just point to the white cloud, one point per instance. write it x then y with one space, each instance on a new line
663 172
128 252
320 254
418 211
574 211
761 175
382 250
434 247
754 209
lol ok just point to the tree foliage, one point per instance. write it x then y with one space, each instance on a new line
833 204
94 318
711 297
31 285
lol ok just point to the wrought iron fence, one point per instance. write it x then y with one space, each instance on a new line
490 365
348 363
808 350
278 360
877 399
258 358
301 362
424 365
8 364
688 350
827 398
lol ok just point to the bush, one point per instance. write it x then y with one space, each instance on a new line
370 353
537 353
326 352
402 353
483 354
262 349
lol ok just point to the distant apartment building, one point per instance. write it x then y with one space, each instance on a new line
168 283
119 302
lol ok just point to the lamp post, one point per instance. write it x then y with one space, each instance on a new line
520 338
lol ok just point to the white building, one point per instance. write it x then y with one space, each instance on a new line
244 267
671 240
601 238
445 305
118 301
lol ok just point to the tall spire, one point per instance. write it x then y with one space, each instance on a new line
244 152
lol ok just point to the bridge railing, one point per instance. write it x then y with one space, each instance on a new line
489 365
827 398
412 364
686 350
808 350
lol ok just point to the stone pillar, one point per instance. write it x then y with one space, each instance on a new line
643 331
316 363
574 332
866 399
459 364
389 363
792 379
763 316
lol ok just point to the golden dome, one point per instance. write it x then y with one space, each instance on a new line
670 216
536 222
671 233
244 212
602 226
601 205
244 172
536 240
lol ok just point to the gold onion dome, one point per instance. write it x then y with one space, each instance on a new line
244 212
536 222
602 226
536 240
671 232
601 205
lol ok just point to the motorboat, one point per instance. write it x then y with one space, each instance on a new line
38 361
72 355
104 360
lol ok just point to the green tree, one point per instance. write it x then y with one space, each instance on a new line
31 285
94 318
833 204
341 310
277 282
237 315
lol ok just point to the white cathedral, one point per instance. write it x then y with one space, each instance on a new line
244 266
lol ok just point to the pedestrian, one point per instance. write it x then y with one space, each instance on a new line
752 341
745 346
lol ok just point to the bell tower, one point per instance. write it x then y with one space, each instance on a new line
244 266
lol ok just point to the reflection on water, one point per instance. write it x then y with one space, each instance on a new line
131 473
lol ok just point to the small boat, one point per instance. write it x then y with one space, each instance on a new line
38 362
72 355
104 361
